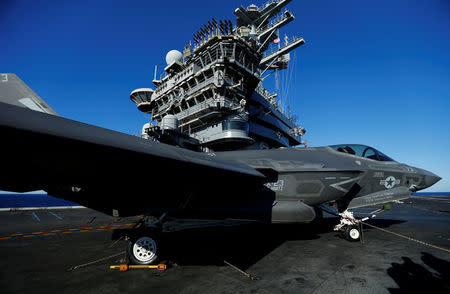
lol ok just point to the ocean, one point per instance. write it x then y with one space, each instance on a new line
32 200
431 194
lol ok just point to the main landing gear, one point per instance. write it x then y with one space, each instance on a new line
143 249
143 243
145 240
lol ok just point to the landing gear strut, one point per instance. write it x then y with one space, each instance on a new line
349 227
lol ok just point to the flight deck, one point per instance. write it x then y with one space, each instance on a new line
38 249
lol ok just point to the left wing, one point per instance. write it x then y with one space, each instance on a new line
103 169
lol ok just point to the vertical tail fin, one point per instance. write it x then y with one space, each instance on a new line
14 91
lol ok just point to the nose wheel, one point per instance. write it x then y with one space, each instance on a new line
352 233
349 227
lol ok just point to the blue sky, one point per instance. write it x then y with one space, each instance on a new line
371 72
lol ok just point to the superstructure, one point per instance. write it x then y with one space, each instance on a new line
211 97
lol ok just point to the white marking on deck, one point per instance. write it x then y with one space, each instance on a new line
55 215
35 216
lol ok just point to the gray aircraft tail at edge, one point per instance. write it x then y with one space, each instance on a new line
14 91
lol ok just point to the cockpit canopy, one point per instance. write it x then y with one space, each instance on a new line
362 151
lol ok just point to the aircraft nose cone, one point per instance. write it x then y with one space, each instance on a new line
429 179
432 179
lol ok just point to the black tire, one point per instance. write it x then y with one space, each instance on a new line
352 233
143 249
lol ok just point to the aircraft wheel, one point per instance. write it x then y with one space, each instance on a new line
142 249
352 233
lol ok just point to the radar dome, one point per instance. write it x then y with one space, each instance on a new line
173 55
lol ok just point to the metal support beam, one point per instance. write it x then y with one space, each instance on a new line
271 11
265 41
287 19
283 50
242 14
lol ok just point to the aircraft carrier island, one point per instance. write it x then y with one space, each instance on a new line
215 189
211 96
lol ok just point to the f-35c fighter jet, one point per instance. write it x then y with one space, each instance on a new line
123 175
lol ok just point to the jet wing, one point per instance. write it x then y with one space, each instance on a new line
45 152
14 91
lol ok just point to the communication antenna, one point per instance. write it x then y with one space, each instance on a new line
222 29
230 24
211 26
215 24
202 31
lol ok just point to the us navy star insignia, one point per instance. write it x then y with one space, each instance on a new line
390 182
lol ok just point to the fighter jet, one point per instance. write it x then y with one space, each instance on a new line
124 175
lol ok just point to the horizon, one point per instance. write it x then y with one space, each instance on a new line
371 73
41 192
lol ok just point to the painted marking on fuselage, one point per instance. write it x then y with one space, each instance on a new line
378 174
330 178
275 186
337 186
390 182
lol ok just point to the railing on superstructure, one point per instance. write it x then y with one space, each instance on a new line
229 54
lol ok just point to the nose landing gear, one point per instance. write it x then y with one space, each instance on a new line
349 227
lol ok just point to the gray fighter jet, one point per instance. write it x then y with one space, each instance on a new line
124 175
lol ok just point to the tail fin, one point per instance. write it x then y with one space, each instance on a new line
14 91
